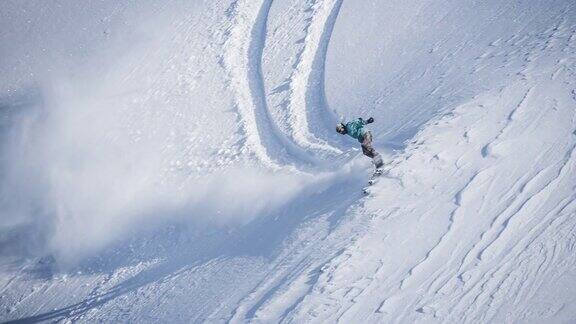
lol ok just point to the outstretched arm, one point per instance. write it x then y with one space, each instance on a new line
369 121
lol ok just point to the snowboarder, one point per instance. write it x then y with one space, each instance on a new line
356 130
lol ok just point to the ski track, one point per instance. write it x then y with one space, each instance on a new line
243 58
306 107
518 220
307 102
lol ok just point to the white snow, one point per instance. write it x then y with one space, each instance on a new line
177 161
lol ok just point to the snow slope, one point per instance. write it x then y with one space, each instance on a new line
177 162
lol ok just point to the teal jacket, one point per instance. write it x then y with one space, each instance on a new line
356 129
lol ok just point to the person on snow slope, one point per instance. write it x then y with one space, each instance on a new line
356 130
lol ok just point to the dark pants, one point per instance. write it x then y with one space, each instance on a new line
370 152
367 148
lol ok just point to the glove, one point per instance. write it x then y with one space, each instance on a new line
370 120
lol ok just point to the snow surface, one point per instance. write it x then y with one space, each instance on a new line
176 161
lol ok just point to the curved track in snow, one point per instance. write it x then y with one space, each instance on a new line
472 222
242 58
310 121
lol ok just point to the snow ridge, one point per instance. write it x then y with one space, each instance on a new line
242 59
310 121
309 115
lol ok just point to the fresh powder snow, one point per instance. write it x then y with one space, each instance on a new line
177 162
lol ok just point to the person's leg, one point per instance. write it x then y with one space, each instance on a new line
367 148
367 151
370 152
